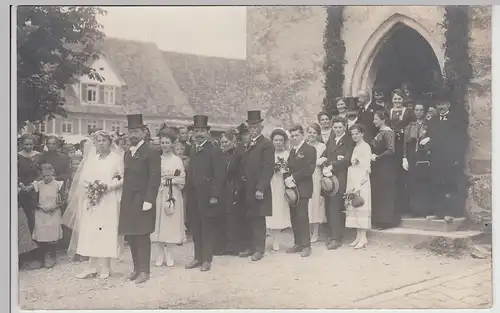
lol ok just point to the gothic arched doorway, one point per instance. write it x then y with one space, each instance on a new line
404 57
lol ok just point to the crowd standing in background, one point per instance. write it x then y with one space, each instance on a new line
374 160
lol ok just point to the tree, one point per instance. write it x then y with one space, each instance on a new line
55 46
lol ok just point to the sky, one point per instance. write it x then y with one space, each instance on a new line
211 31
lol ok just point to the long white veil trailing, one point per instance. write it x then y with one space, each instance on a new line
77 201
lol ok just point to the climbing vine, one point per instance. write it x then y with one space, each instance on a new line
458 70
334 57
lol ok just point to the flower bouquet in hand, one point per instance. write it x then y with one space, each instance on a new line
353 198
170 202
281 166
95 191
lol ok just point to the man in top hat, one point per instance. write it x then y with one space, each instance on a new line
257 169
141 181
335 160
205 181
301 165
367 110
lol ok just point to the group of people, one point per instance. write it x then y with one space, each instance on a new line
361 168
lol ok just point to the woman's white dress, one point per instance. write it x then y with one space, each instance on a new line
317 202
356 174
280 219
170 228
98 229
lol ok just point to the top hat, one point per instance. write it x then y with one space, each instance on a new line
200 121
135 121
254 117
351 103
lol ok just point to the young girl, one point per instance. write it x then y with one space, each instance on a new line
47 214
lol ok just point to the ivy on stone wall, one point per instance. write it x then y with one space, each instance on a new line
334 57
458 70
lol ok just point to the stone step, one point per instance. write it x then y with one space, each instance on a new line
432 225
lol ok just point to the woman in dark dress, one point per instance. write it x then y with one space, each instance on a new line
416 162
399 118
226 242
27 171
383 175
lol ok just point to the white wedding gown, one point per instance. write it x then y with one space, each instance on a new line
98 225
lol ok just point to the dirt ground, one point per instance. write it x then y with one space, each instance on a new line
327 279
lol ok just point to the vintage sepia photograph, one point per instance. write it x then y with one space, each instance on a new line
253 157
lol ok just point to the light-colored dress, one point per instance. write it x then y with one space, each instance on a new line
98 230
358 173
170 228
47 224
280 219
317 202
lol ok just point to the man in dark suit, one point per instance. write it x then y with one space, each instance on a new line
257 169
204 185
336 159
301 165
141 181
446 142
366 113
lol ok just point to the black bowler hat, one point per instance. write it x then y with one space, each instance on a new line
254 117
135 121
200 121
351 103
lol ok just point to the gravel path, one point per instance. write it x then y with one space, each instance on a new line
327 279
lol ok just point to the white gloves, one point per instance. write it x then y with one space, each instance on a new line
321 161
146 206
327 171
405 164
425 141
289 182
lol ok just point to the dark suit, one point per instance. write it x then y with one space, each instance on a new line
257 169
301 165
446 157
141 181
205 180
339 157
365 118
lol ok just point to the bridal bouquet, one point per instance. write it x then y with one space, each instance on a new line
95 192
280 165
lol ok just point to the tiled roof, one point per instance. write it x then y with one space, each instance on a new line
150 89
215 87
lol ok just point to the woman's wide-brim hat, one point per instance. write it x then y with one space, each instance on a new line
254 117
135 121
200 121
329 186
292 196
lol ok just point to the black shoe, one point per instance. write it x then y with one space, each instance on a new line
142 278
133 275
206 266
257 256
193 264
294 249
245 254
334 244
305 252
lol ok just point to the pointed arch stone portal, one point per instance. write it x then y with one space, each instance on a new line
364 74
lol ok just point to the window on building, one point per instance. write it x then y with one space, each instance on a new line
40 127
91 94
91 124
67 127
115 126
109 95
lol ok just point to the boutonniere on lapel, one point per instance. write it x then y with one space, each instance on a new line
340 157
199 149
299 155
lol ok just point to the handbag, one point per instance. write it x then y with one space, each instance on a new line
357 201
170 202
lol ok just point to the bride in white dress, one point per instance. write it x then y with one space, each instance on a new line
95 228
